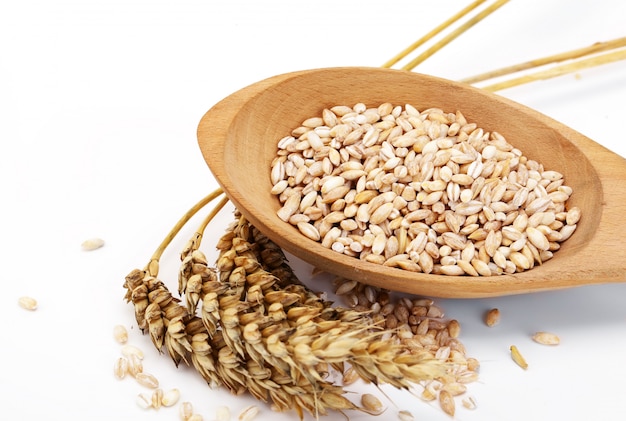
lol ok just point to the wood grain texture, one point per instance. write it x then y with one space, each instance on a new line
238 139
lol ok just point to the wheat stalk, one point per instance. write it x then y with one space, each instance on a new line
555 58
454 34
585 53
153 265
430 35
559 70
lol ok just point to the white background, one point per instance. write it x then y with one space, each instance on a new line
99 104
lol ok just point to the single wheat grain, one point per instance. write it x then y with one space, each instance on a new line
143 400
371 403
92 244
120 334
546 338
185 410
147 380
405 415
128 350
446 401
27 303
120 368
493 317
518 358
249 413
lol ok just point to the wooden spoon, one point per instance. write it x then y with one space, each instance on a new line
238 138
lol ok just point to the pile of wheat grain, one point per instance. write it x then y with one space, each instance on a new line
425 191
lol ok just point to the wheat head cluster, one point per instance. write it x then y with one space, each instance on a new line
248 324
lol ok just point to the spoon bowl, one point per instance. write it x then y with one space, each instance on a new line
238 139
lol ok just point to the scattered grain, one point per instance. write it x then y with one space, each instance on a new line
249 413
185 410
27 303
493 317
517 357
92 244
147 380
157 398
135 365
424 331
143 400
128 350
546 338
405 415
469 402
170 398
371 403
120 334
446 401
120 368
454 328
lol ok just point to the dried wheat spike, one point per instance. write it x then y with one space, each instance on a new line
261 330
309 331
210 355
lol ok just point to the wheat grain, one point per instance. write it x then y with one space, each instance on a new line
454 328
371 403
493 317
120 368
128 350
92 244
157 398
170 398
143 400
185 410
134 365
546 338
470 184
249 413
147 380
423 331
446 401
120 334
27 303
469 402
405 415
518 358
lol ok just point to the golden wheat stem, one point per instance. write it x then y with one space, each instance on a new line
432 33
568 55
559 70
454 34
153 265
205 222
